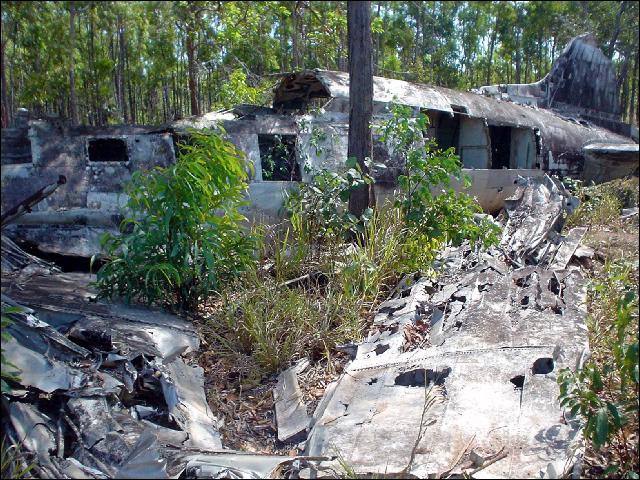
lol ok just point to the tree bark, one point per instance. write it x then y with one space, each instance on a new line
5 101
492 44
360 98
121 69
73 100
616 30
634 83
296 20
192 67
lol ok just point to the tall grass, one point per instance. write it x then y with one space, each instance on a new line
276 324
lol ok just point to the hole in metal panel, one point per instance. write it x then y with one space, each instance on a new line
543 366
518 381
421 377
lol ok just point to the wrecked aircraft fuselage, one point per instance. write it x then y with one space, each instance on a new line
497 141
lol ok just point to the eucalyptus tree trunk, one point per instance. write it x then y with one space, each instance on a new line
616 30
192 71
73 100
360 98
492 44
5 100
121 70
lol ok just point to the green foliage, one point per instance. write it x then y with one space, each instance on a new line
186 238
12 462
280 162
441 43
275 324
236 91
605 391
426 197
10 372
602 204
319 210
386 251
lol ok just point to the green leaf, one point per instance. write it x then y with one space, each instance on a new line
596 380
345 195
602 427
615 414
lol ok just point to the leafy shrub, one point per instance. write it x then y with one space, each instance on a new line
426 197
605 391
236 91
319 210
185 236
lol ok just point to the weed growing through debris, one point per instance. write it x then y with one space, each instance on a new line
276 324
602 204
605 392
13 464
179 249
318 210
345 265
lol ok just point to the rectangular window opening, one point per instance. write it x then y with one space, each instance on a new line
107 150
500 146
448 132
278 158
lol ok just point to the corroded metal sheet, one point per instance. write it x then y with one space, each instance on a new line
482 378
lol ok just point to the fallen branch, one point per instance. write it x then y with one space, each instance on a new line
499 456
458 458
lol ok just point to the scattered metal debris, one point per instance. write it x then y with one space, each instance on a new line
500 326
291 413
106 391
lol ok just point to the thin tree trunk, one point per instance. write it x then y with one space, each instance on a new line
623 85
121 68
192 68
616 30
73 100
492 44
360 98
5 101
634 91
295 39
130 88
94 75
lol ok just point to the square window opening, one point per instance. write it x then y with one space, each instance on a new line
107 150
278 158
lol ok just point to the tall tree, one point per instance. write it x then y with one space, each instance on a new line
73 99
360 98
5 99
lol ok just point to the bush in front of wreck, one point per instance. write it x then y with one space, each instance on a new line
604 394
432 209
179 247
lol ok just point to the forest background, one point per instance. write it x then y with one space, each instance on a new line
106 62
